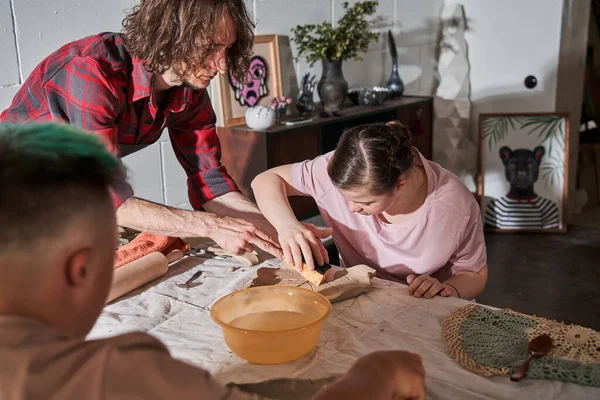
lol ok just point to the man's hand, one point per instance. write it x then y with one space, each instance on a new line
428 286
237 236
234 234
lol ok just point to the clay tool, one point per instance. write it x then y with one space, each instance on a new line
189 283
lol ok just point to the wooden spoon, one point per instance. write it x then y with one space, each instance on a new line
538 347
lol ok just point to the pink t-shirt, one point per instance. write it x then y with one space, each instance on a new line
445 235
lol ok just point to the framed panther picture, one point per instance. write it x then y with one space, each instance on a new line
523 171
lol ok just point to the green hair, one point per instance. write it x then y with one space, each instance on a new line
49 173
59 151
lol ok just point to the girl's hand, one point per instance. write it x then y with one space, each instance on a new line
300 240
428 286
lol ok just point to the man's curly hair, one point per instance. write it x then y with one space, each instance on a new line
179 34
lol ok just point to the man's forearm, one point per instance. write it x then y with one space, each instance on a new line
469 284
238 227
235 204
150 217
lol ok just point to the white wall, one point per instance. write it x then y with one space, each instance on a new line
511 39
31 29
507 41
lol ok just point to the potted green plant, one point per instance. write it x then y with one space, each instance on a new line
348 40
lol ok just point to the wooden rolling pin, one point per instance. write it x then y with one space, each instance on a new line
139 272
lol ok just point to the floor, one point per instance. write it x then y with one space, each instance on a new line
551 276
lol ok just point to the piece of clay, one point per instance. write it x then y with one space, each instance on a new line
341 284
335 273
248 259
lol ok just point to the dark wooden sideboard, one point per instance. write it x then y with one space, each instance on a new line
247 152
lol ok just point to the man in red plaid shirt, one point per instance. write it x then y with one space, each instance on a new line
128 87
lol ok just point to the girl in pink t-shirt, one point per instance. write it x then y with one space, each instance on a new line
387 207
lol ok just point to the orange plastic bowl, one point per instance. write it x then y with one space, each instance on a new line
271 324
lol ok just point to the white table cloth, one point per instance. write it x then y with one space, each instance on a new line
385 318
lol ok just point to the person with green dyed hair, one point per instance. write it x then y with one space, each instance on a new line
58 236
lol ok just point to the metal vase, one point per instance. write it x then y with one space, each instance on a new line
332 87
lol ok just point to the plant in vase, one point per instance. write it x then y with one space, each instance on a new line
347 41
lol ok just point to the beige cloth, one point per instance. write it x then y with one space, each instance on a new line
37 363
385 318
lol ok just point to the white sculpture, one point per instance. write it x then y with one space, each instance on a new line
452 148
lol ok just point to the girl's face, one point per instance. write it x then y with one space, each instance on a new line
364 202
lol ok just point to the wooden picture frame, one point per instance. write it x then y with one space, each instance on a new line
235 98
524 190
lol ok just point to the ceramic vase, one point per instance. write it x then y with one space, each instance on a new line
332 86
260 117
394 82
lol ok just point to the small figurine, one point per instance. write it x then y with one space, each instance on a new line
305 103
279 105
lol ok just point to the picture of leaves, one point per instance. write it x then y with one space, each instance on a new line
496 129
549 128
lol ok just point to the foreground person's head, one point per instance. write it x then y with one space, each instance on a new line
58 226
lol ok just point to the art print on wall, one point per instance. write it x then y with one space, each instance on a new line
523 170
249 93
263 83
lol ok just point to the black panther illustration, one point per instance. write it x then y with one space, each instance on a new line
521 207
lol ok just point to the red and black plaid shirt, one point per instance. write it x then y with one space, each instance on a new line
95 84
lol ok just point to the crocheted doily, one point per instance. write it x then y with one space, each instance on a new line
494 342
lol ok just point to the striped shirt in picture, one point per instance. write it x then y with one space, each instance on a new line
508 212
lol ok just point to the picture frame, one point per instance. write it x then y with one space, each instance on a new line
523 169
234 98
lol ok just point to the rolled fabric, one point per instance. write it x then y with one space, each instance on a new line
146 243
